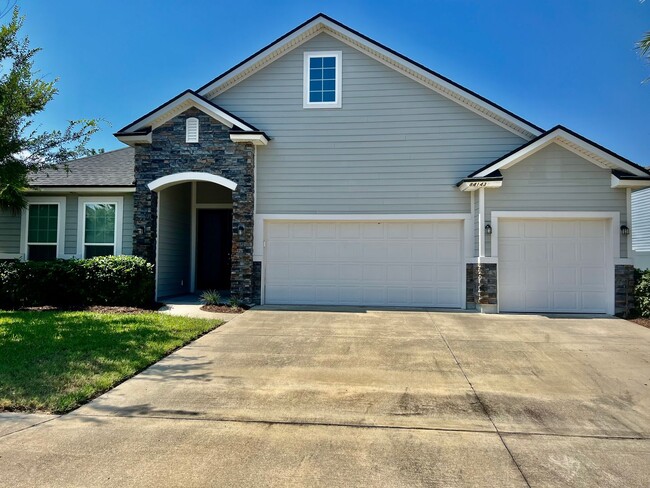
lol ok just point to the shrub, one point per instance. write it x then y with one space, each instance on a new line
210 297
105 280
642 292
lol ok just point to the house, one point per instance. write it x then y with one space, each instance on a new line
327 168
641 226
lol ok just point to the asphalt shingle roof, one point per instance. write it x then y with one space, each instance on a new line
113 168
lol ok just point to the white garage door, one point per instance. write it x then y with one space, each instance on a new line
554 266
364 263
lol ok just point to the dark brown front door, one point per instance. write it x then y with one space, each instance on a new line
213 248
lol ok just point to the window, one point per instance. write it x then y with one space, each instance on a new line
100 226
192 130
42 231
322 80
42 228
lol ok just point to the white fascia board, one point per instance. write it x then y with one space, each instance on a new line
181 104
566 140
257 139
475 185
625 183
82 189
375 51
133 139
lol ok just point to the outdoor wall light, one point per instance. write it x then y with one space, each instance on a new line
625 230
488 229
240 230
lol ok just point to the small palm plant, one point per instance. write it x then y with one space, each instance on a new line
210 297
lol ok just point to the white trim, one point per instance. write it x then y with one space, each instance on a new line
81 223
616 182
338 84
191 130
481 222
568 141
81 189
408 68
483 260
156 267
193 238
472 186
614 231
132 139
255 139
178 106
60 202
167 181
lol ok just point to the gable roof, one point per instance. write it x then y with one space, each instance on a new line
140 129
570 140
109 169
412 69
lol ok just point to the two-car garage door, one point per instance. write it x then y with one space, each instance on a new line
410 263
555 266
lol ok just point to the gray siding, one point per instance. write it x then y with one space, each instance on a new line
556 179
641 220
127 225
9 233
395 146
174 240
71 224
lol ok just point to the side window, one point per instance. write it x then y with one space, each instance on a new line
99 229
322 80
42 231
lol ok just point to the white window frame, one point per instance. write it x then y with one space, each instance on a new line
338 95
188 138
60 228
81 225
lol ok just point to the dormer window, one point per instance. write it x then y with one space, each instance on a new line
322 79
192 130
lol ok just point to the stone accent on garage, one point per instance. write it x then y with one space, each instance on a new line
624 290
216 154
257 282
481 286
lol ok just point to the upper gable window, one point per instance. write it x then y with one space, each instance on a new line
322 81
192 130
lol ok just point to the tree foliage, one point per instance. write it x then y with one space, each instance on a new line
24 148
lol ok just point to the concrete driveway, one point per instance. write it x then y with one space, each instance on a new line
364 398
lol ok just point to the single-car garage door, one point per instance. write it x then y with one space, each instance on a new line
364 263
554 266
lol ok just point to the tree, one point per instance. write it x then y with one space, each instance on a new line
24 149
644 45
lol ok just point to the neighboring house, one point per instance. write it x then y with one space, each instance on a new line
328 169
641 227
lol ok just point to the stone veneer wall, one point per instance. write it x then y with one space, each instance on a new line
481 285
624 290
216 154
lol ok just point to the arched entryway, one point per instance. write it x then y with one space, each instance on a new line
194 233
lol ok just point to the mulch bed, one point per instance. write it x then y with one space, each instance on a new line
642 322
93 308
224 308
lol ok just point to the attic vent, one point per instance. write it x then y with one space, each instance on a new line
192 130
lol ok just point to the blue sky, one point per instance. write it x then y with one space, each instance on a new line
555 61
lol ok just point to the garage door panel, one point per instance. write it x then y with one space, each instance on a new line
369 263
554 266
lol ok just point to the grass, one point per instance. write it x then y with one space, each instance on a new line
56 361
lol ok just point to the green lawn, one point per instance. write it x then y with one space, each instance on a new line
55 361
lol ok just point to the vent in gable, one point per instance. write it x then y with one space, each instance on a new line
192 130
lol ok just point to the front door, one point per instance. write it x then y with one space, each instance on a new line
213 248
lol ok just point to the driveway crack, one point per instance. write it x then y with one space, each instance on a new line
478 398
